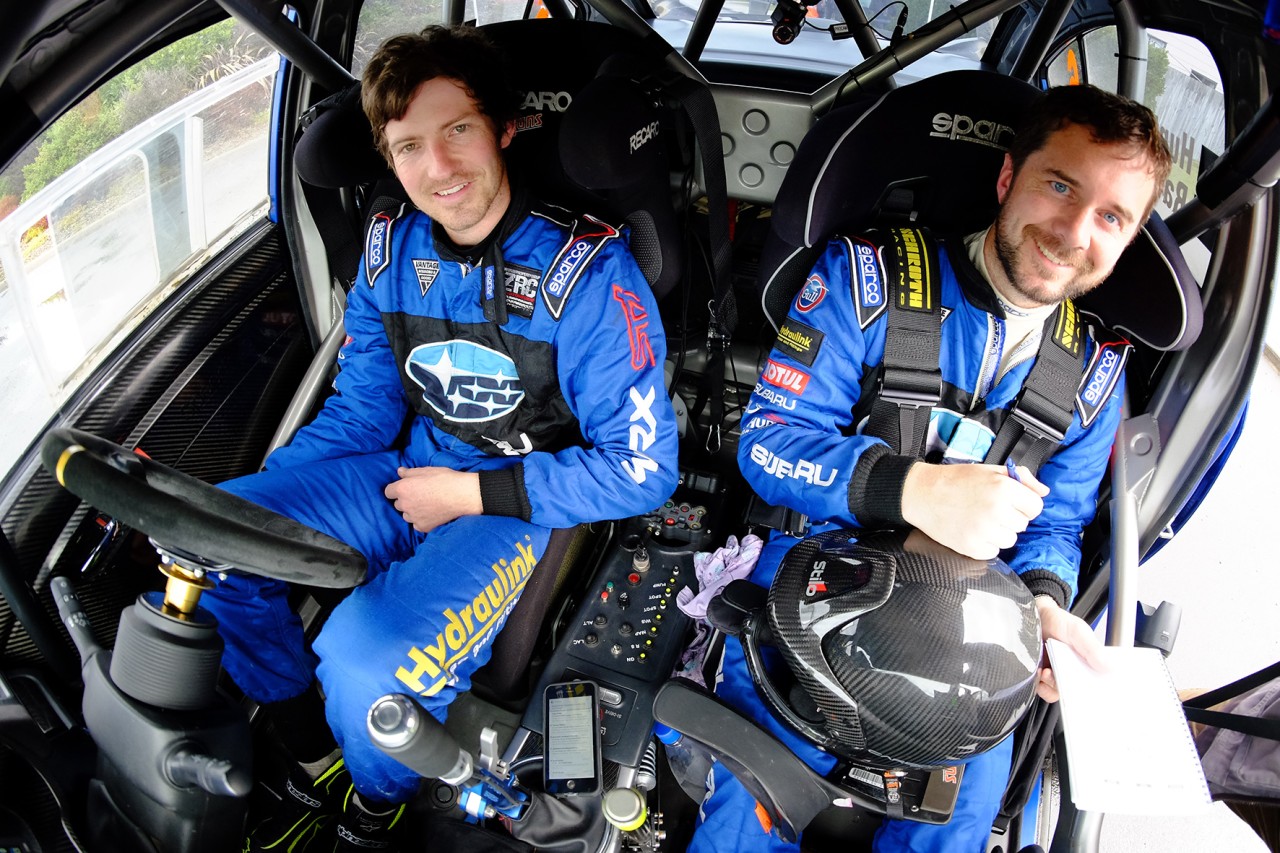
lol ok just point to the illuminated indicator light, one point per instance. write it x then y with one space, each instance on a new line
643 656
604 595
657 617
668 521
633 578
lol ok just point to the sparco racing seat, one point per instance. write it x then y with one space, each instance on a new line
928 154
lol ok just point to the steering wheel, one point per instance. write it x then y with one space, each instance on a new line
174 508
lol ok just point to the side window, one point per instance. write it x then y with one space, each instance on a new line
1183 88
119 201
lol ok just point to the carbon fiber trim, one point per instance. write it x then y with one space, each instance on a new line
916 656
203 381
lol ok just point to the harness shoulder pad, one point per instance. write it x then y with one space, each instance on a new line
911 378
910 258
377 241
586 238
866 280
1102 373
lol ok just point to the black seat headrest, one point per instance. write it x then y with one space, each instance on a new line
930 153
611 142
1151 296
336 148
587 136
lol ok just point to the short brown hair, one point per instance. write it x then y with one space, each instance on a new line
403 63
1110 118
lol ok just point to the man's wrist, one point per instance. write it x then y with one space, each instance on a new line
876 488
502 492
1043 582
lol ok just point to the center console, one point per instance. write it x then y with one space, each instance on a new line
627 632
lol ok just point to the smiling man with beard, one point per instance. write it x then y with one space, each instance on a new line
1076 186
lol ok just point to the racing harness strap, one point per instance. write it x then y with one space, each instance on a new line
700 108
1041 415
911 379
910 384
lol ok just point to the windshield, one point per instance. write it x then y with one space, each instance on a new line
745 33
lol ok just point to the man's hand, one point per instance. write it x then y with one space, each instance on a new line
977 510
1059 624
430 497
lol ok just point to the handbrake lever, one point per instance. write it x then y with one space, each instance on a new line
404 730
400 728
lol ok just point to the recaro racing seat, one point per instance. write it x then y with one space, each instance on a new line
590 137
589 79
923 154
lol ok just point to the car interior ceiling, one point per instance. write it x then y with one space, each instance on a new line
46 532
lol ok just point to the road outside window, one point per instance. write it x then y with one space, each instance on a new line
117 203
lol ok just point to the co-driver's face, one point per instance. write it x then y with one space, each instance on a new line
449 158
1066 216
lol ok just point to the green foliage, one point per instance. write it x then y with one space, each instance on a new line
1157 68
382 19
1102 49
133 96
73 137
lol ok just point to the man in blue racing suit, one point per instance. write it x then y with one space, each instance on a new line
525 348
1078 182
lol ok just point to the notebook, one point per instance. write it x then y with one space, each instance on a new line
1129 750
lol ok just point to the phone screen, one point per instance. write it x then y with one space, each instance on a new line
570 725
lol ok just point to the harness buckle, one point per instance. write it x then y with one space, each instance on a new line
1037 427
905 398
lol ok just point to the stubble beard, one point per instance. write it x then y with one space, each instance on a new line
462 219
1020 271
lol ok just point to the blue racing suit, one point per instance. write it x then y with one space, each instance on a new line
802 447
541 368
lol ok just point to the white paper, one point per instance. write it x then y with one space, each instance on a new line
1129 750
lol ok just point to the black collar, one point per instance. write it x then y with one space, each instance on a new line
487 254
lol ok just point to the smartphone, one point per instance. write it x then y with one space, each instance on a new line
571 726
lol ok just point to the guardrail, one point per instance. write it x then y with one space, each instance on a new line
149 184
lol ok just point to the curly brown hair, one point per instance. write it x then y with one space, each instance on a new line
403 63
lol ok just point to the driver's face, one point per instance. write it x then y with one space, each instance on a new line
1066 216
449 158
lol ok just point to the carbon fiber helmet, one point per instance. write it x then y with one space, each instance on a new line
915 655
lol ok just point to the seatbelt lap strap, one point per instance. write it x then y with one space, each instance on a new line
911 380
